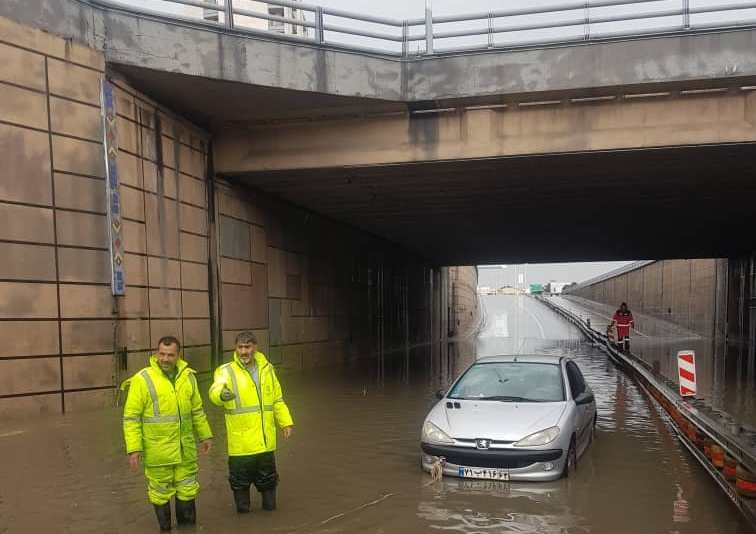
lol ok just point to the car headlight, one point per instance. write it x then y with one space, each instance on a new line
542 437
433 434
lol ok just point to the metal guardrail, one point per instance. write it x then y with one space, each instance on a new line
565 22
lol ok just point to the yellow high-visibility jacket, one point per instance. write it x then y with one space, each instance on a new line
161 416
250 420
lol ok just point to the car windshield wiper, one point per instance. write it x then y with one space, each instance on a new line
505 398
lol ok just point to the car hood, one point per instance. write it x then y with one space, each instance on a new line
501 421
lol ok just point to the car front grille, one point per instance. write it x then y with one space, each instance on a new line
496 458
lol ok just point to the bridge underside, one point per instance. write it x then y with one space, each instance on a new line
652 203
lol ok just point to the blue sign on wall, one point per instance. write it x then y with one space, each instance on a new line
113 191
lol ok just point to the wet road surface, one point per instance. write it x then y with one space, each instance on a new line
725 384
352 464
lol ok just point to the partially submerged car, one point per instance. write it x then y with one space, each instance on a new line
520 417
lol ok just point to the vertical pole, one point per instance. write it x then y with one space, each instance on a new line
749 310
229 14
490 30
319 33
444 279
433 310
428 26
405 34
741 314
405 305
213 271
686 14
587 24
382 323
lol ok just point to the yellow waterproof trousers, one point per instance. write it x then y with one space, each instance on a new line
166 481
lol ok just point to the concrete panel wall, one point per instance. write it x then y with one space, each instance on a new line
52 197
315 292
162 164
309 288
59 325
681 292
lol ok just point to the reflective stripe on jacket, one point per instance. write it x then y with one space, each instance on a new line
161 416
250 421
624 322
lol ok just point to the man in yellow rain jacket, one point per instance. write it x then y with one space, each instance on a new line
162 413
249 390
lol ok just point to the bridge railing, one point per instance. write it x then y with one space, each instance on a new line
558 23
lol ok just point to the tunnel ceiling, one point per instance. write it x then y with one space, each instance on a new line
640 204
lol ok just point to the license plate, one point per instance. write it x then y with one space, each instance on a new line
483 473
487 485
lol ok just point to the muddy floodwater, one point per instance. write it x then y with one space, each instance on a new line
352 465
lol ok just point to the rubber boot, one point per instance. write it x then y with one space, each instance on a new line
163 513
241 498
269 500
186 512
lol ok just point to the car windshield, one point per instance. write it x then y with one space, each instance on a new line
511 382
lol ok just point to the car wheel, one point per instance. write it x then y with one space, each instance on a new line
571 463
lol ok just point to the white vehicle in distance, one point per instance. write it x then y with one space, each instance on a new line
520 417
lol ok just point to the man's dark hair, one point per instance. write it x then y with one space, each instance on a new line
246 337
169 340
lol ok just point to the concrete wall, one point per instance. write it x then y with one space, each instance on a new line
686 293
307 286
162 165
205 257
466 317
59 325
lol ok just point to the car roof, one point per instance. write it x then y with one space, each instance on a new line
523 358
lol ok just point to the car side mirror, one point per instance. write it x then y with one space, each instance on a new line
584 398
440 394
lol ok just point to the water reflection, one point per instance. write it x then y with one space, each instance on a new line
632 479
724 375
352 466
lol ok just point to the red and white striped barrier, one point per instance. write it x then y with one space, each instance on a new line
686 371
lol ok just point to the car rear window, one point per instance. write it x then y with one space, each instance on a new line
511 381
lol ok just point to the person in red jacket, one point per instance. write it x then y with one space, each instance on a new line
623 320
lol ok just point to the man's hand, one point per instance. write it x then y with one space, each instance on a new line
134 458
227 395
206 445
287 431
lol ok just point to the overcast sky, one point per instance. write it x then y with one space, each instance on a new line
498 276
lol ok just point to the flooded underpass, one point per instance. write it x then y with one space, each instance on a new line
353 462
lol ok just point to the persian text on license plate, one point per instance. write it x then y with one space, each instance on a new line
483 472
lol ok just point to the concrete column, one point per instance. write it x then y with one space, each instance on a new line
435 312
406 317
444 326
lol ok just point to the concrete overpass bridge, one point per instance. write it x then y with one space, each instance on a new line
311 190
488 155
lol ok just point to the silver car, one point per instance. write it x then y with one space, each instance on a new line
511 418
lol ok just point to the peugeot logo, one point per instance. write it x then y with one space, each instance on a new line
482 443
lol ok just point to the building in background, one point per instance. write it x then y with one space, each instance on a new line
555 288
253 23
